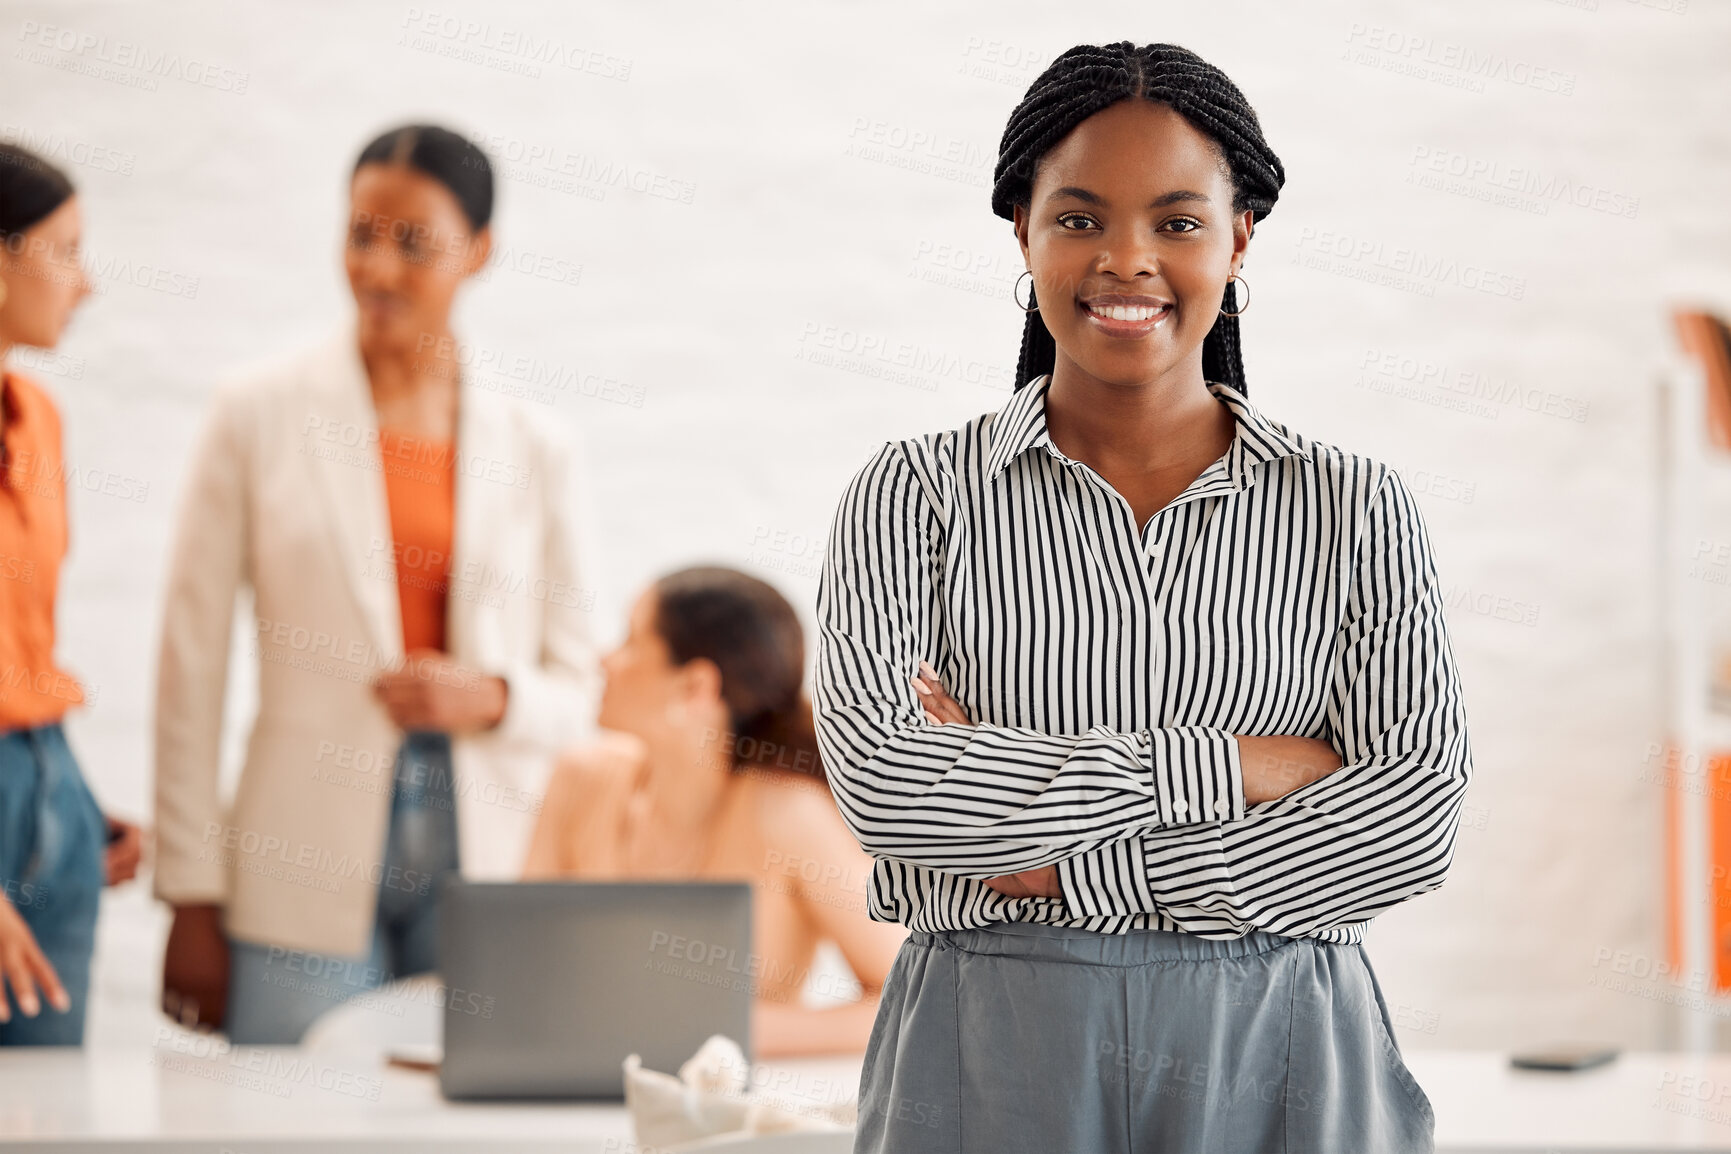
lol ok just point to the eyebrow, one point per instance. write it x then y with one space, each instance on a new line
1177 196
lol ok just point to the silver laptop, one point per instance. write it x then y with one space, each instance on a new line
549 985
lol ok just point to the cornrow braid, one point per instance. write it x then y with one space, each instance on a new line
1088 78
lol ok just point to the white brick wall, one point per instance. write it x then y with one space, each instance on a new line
814 165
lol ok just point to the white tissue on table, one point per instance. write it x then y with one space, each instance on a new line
713 1096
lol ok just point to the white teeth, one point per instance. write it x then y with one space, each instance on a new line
1124 312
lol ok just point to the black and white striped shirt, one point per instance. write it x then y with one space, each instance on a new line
1105 669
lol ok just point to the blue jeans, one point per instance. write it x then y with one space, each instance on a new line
52 840
275 993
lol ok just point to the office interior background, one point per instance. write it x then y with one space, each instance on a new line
740 246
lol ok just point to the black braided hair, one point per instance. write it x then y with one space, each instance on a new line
1088 78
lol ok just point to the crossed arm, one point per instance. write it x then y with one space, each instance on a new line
1272 767
1157 819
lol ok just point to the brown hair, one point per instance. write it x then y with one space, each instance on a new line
752 634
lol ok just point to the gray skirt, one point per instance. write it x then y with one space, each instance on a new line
1021 1036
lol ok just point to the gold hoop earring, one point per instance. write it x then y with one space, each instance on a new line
1015 292
1246 304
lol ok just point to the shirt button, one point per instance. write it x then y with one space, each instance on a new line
1221 807
1180 807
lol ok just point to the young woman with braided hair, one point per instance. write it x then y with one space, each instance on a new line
1142 702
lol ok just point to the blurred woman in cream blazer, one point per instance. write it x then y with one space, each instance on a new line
419 619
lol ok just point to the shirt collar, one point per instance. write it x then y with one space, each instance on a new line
1021 425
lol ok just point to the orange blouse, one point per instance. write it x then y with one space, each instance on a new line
420 492
33 539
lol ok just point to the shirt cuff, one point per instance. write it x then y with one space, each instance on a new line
1110 880
1197 775
532 705
183 881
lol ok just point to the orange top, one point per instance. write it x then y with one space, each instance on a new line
420 490
33 538
1707 338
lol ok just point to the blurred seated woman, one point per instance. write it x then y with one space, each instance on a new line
707 767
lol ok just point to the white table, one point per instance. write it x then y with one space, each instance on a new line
1642 1102
187 1098
272 1100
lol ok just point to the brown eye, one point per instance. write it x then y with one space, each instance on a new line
1070 217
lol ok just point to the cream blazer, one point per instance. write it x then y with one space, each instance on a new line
286 497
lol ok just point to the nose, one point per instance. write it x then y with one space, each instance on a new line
1127 252
372 251
376 265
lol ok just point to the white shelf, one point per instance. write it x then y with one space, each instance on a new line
1687 467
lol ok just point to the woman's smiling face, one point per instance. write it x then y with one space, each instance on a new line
1131 238
409 249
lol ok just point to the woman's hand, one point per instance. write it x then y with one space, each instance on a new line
125 848
24 968
432 691
580 832
1034 883
942 709
611 764
195 968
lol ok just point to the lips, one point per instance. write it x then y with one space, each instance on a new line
1126 316
1126 312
